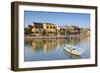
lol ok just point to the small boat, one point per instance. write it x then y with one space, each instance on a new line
72 50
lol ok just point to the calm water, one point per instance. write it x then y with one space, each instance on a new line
52 49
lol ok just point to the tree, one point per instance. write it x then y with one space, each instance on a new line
26 31
44 32
30 29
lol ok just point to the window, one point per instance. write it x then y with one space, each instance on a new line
50 27
47 27
54 27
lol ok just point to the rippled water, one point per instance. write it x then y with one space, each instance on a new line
53 49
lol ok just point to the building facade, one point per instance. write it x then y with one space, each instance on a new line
49 29
37 29
43 29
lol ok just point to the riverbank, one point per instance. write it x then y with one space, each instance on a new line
54 37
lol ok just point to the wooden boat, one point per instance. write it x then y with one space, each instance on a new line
72 50
73 56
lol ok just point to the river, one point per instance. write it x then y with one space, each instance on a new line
53 49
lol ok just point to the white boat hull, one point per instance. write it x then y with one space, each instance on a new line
72 50
72 53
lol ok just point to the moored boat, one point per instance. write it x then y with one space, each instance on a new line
72 50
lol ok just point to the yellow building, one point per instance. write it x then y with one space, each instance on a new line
73 30
85 32
43 29
49 29
37 29
62 30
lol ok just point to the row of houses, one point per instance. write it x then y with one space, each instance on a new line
50 29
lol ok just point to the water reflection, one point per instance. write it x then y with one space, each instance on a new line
52 49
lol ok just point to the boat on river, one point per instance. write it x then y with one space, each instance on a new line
73 50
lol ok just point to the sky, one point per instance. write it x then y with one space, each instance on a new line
59 18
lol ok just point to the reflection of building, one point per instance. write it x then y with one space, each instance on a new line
46 44
49 45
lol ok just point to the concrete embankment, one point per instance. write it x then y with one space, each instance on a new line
52 37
